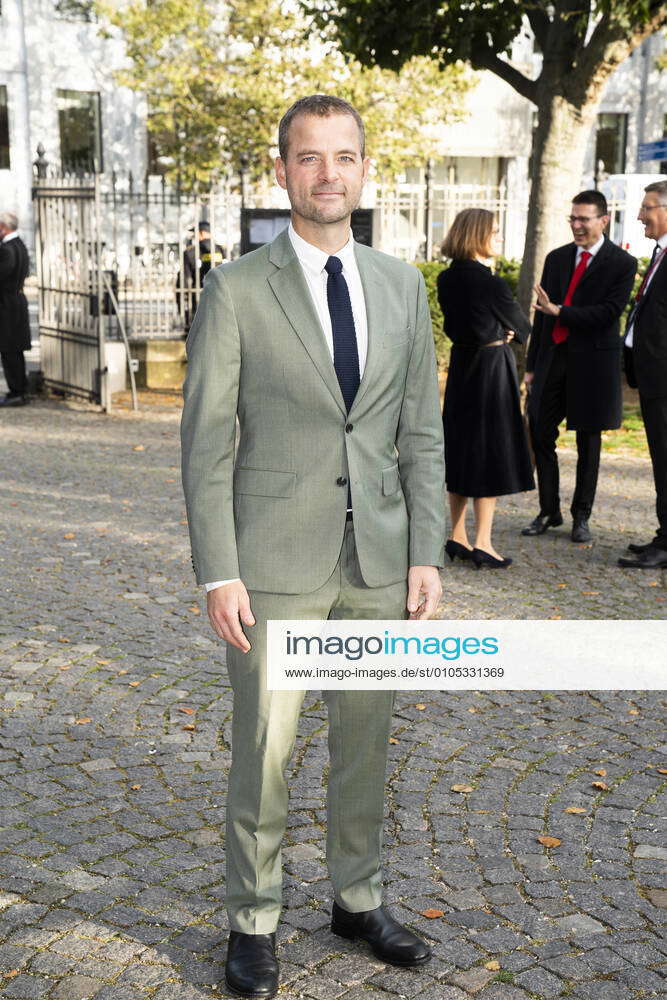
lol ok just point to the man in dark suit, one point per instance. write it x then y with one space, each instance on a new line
646 367
14 323
573 366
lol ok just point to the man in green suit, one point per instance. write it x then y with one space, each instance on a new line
331 506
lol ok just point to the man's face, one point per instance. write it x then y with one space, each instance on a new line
324 172
586 225
653 215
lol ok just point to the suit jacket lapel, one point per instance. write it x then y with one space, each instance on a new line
566 269
371 283
290 288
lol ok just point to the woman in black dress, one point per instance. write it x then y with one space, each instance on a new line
486 452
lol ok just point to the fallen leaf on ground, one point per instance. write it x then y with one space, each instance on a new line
83 722
135 788
493 966
121 672
65 666
633 711
134 684
420 706
549 841
10 975
102 663
574 810
195 610
555 618
462 788
662 770
433 914
187 711
590 593
139 447
473 711
189 728
63 640
601 772
394 741
70 534
602 785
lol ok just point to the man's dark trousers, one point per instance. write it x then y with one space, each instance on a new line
654 415
544 433
13 365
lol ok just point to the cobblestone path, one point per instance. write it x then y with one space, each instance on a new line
114 745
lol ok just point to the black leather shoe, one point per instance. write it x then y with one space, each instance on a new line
580 530
650 558
390 941
252 966
540 524
13 399
637 549
454 549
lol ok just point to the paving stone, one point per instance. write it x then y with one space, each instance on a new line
541 982
77 988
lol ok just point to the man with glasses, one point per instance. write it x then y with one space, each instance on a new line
646 367
573 366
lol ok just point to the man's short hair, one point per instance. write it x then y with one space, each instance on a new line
592 198
322 105
10 220
659 188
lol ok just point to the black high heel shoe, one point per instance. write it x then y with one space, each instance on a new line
454 549
482 558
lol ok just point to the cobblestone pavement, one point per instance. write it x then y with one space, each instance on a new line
115 728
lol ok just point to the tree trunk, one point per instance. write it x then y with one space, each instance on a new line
557 165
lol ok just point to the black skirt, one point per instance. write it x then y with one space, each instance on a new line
486 452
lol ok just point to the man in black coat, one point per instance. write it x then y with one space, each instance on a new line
14 323
646 367
573 366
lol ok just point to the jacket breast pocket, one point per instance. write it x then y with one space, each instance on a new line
391 481
264 483
394 339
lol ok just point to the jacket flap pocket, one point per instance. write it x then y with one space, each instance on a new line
390 480
264 482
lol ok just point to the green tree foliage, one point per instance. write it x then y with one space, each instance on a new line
218 77
581 43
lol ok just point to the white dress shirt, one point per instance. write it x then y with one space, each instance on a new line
8 237
662 243
591 250
312 261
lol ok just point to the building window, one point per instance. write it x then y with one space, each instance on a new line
4 130
610 143
80 125
75 10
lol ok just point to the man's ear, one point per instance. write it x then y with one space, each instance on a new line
280 172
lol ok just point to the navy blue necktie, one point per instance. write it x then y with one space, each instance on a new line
346 356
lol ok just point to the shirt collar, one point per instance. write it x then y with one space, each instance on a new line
662 242
591 250
312 257
10 236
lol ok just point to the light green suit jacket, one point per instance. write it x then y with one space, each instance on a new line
272 512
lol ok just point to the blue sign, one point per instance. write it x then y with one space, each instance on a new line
652 150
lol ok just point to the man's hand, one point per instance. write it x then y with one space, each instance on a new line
509 335
544 303
228 607
424 592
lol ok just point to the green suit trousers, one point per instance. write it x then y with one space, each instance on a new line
263 735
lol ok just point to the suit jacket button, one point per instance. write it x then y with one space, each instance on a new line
348 428
341 481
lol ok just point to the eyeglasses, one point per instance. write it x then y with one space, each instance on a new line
583 219
643 209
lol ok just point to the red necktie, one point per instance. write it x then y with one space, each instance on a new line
560 332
